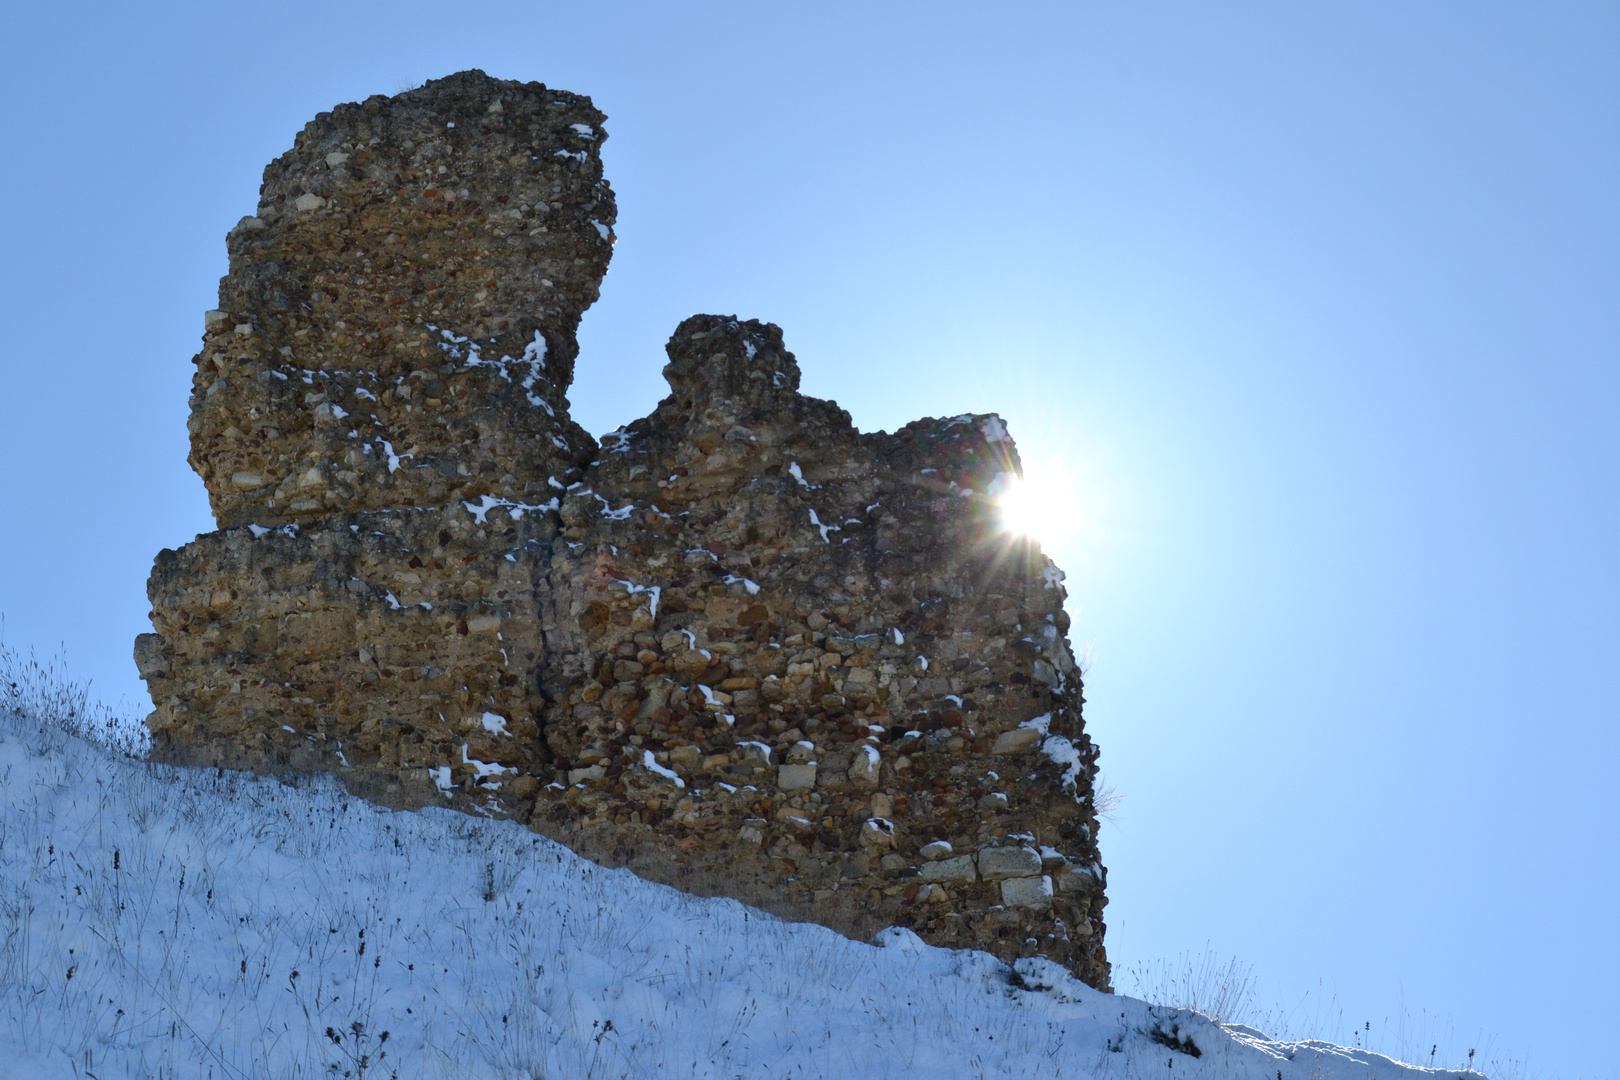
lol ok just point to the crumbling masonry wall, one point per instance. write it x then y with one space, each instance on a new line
398 324
738 645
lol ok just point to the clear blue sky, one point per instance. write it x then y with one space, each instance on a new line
1310 309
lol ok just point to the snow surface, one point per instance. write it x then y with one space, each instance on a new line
515 510
169 922
621 514
534 355
749 586
393 458
825 529
649 763
653 593
1058 750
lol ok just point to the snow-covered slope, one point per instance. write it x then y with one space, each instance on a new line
157 922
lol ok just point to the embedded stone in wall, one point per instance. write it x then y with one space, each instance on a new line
997 863
1027 892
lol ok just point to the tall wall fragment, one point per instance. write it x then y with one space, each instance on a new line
740 646
398 324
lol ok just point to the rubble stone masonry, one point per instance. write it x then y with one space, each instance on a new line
737 646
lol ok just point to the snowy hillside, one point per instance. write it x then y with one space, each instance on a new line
157 922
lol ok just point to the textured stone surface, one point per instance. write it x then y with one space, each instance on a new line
1015 741
387 637
398 324
738 646
1027 892
956 871
996 863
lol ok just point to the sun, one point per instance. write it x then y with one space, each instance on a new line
1040 505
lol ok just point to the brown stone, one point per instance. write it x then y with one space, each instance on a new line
734 591
1016 741
400 311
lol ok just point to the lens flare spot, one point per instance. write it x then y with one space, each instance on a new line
1042 508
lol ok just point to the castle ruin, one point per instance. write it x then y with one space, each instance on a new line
736 645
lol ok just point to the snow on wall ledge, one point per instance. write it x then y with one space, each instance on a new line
193 923
739 646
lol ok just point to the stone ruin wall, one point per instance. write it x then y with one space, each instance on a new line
738 646
464 221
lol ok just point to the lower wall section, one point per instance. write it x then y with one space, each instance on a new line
855 758
1026 906
401 645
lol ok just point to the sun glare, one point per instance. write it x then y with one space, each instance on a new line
1041 507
